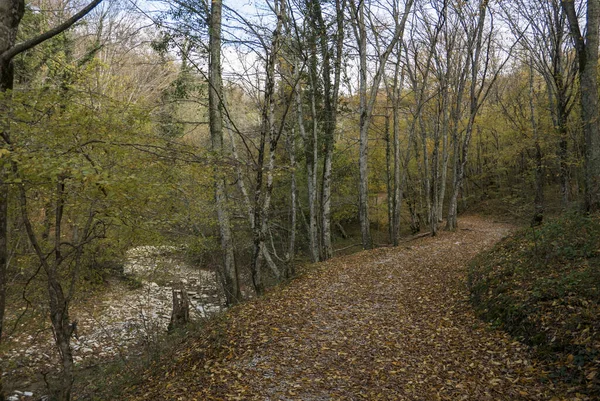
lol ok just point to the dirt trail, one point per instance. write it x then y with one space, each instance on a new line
389 324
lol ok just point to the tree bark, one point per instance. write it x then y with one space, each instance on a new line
368 102
268 136
311 176
587 54
215 101
291 269
331 90
58 301
475 50
364 123
538 213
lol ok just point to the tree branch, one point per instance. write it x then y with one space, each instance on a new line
28 44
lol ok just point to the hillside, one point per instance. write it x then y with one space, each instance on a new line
542 286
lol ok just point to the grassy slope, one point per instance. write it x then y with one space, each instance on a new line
542 285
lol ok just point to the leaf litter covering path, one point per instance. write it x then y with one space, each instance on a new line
388 324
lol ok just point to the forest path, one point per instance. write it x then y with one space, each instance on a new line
388 324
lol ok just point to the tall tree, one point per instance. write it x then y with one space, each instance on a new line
360 20
478 59
269 134
332 57
587 55
229 273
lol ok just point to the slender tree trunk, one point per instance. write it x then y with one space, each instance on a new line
290 271
474 104
538 214
240 177
389 176
331 89
565 192
326 245
313 188
435 175
444 172
264 228
367 103
587 54
246 198
262 196
215 100
397 196
364 123
311 175
426 167
58 302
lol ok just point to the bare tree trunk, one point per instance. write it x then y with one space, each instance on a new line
229 275
399 181
364 123
425 178
331 90
444 172
444 78
389 179
240 177
538 213
475 98
262 196
314 163
264 228
435 175
587 54
367 103
290 271
58 301
326 245
265 256
311 177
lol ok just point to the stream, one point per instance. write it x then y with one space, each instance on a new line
117 323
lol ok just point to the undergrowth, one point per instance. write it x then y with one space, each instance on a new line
542 285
